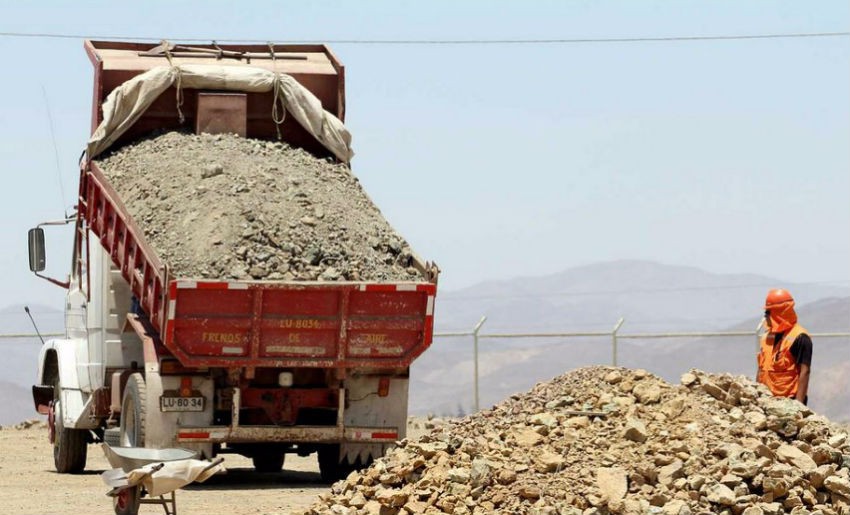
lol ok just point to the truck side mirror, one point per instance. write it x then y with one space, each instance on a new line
35 239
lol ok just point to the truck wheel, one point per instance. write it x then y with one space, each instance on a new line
268 463
127 501
133 407
112 437
69 445
330 466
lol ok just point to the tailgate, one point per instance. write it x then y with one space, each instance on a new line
256 324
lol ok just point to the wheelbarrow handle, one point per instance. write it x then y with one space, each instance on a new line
116 490
213 463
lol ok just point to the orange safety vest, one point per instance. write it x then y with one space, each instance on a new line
777 367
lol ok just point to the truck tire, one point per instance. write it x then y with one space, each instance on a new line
268 463
330 466
133 411
70 446
112 437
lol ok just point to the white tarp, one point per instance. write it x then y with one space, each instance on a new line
126 103
172 476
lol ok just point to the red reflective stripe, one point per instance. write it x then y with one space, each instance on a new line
193 435
384 436
428 337
169 331
380 287
212 285
430 289
169 323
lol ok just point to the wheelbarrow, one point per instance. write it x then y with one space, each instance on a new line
152 476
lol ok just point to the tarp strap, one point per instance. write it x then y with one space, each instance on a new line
178 81
278 106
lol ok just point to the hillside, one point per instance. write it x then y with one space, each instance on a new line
651 296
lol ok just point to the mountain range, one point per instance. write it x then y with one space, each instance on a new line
650 297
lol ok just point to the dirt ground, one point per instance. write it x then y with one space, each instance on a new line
29 484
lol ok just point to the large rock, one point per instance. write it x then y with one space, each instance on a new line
612 482
714 390
479 474
838 485
527 437
647 393
720 494
819 475
543 419
784 408
635 430
669 473
390 497
794 456
548 462
744 465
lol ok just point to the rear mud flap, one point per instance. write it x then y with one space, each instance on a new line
42 396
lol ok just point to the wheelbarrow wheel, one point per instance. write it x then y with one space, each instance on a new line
127 501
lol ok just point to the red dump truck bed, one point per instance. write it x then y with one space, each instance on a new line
250 323
292 324
258 323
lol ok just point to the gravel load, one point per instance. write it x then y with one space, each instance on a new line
226 207
605 440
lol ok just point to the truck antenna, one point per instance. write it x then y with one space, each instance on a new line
55 152
27 309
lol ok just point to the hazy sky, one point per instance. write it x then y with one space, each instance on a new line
499 160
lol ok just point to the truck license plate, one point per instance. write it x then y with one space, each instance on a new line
181 403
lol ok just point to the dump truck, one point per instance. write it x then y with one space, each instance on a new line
261 368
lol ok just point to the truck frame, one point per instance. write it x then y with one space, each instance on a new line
259 368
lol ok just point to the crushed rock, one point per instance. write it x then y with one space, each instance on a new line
226 207
715 444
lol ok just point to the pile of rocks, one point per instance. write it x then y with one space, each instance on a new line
605 440
228 207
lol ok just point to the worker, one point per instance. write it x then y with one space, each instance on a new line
785 355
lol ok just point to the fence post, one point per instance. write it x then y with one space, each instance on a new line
475 360
758 346
614 341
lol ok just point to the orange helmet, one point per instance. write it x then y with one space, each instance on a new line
779 311
777 296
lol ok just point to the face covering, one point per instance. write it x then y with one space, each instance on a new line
782 317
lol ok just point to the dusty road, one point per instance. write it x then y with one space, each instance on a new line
29 484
